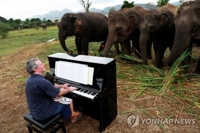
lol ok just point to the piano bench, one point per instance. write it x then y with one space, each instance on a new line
51 125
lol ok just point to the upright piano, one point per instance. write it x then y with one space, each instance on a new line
97 95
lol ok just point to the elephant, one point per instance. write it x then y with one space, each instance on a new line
44 26
123 27
86 27
157 27
187 27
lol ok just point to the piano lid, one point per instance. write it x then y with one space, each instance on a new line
83 58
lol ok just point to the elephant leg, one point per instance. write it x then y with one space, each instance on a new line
116 45
78 45
136 48
127 47
84 45
160 50
101 47
198 67
122 47
155 46
135 43
149 45
187 60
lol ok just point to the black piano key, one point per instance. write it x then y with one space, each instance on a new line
89 92
93 93
78 89
81 90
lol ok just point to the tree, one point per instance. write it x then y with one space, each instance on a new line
4 28
2 19
86 5
17 21
35 22
127 4
162 2
10 20
111 9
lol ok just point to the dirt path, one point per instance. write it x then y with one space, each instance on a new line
12 98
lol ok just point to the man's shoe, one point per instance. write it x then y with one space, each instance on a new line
76 118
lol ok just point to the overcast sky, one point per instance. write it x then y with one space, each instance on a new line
23 9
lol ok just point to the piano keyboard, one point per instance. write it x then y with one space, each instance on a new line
85 93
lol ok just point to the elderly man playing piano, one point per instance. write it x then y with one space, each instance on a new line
40 94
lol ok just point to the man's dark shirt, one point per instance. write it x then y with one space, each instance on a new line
40 93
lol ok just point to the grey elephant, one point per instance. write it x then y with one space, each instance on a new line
187 26
157 27
86 27
124 27
44 26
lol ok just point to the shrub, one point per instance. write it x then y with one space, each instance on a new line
4 28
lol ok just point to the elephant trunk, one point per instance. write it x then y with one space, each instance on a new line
109 43
144 37
181 42
62 38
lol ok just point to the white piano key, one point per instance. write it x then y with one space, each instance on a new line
84 94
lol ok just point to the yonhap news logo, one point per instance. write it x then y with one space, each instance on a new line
134 120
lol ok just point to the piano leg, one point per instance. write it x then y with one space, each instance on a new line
107 112
101 119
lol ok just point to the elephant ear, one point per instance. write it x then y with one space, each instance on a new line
73 18
164 20
78 27
111 13
77 23
133 23
181 8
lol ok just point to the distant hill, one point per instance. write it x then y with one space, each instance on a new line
52 15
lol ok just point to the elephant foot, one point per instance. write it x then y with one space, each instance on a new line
70 52
101 48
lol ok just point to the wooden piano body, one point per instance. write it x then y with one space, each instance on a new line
103 106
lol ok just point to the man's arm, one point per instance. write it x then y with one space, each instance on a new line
61 85
65 90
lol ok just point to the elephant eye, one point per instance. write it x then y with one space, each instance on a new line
194 27
118 30
151 28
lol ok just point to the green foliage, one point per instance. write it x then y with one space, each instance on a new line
162 2
4 28
159 79
181 1
35 20
17 21
2 19
11 20
127 4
